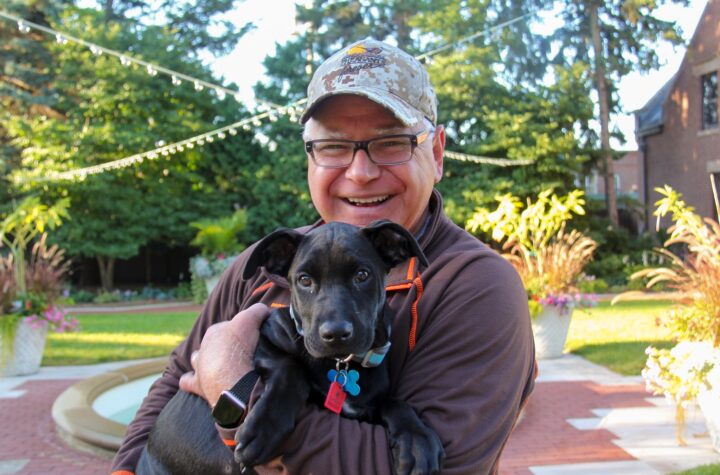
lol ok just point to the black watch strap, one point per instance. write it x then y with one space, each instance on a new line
243 388
230 407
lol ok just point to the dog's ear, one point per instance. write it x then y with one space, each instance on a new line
393 242
275 252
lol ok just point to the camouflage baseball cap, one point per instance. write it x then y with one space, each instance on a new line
382 73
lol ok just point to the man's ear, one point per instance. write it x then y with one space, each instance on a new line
393 243
275 252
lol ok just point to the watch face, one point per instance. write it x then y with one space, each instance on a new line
227 412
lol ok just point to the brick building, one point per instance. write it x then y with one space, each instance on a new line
678 131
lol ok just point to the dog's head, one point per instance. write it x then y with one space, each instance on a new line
337 279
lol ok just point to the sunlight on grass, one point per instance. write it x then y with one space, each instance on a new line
162 339
616 335
116 337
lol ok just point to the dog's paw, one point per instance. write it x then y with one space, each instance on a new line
416 451
258 442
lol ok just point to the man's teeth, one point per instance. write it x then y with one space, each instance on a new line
367 201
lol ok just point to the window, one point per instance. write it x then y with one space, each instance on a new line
710 100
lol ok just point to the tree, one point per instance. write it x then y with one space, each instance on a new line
613 38
108 111
495 101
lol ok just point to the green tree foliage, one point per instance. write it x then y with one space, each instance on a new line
107 111
613 38
497 102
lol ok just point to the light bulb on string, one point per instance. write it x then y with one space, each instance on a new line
198 86
201 142
151 71
190 145
125 61
23 27
175 80
246 127
221 135
95 50
210 139
233 131
61 39
220 94
256 122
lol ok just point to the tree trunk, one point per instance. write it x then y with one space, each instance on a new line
148 265
107 266
606 158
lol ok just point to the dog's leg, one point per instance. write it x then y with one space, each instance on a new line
416 448
273 417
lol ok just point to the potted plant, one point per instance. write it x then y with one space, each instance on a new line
29 288
690 371
219 243
549 258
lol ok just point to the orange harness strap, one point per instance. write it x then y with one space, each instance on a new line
414 312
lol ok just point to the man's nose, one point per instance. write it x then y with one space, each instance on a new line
362 169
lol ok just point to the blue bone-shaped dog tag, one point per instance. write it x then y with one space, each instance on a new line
347 379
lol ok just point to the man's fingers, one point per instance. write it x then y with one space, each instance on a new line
251 318
189 383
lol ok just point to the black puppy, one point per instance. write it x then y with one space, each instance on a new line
328 345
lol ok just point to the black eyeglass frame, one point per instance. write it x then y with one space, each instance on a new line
415 140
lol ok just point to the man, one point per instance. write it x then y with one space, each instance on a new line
462 351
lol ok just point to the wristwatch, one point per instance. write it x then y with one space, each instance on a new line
230 408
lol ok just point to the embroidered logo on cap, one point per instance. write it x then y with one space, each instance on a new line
359 57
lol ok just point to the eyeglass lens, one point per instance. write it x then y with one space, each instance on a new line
382 151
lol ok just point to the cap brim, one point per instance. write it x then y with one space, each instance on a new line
404 112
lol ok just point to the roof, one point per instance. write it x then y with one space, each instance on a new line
649 119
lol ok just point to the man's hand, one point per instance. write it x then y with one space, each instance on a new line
225 354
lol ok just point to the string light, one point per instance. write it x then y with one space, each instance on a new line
267 109
500 162
126 60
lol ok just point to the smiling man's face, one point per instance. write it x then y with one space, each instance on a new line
364 192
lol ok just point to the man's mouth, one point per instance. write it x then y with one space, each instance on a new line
369 201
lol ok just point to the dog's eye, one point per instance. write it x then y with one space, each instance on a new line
361 275
304 280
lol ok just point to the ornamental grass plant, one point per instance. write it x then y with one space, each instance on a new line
693 272
536 241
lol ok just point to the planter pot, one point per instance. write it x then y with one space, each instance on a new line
550 329
210 283
28 349
709 403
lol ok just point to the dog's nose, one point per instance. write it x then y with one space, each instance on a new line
334 332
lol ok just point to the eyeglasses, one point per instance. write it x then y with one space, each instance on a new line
385 150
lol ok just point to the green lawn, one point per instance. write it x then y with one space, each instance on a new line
712 469
113 337
613 336
616 335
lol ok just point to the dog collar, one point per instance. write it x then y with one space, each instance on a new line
373 357
296 321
